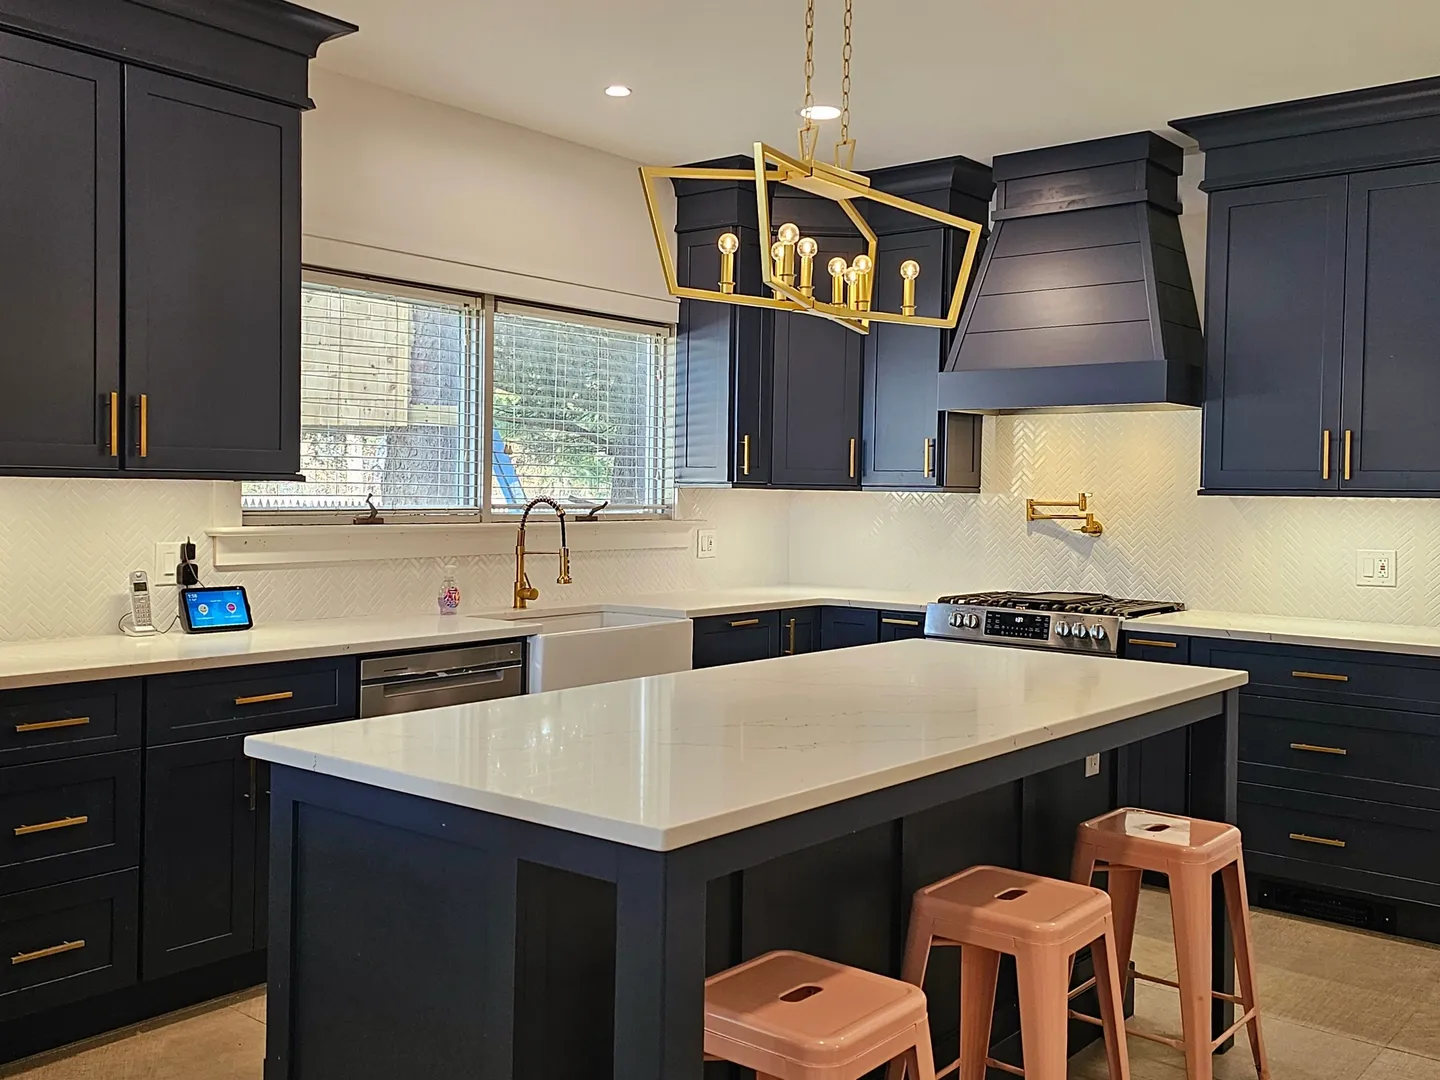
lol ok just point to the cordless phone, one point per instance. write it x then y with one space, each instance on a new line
140 617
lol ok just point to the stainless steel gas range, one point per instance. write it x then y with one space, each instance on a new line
1075 622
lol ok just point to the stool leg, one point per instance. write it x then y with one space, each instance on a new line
1237 905
979 968
1108 986
1123 885
920 1059
1190 913
1044 1013
1082 865
912 971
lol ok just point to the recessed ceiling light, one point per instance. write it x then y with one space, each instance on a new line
624 91
819 112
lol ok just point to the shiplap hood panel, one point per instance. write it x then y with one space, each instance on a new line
1083 297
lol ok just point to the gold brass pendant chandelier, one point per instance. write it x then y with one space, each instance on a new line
787 257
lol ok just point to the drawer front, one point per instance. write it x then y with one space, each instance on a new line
63 820
63 721
900 625
1324 746
67 942
1328 830
1156 648
243 701
1380 680
736 639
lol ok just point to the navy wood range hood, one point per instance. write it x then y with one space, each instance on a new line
1083 297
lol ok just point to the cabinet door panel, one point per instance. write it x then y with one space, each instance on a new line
818 371
736 639
60 275
799 631
199 855
212 278
1273 336
1392 330
902 366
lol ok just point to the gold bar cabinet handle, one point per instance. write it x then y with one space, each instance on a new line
1325 676
852 459
1325 455
1152 643
1311 748
51 725
1348 434
53 950
929 466
114 423
50 826
745 455
901 622
791 650
256 699
144 425
1323 840
744 622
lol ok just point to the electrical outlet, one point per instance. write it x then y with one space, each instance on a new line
1092 765
1375 569
705 543
167 557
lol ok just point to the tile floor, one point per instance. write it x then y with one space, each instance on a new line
1339 1005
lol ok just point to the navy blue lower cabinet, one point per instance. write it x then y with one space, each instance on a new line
799 631
845 627
899 625
735 639
1157 769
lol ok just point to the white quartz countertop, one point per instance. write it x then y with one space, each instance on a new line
1290 630
671 760
48 662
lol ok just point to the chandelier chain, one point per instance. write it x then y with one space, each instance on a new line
845 77
809 62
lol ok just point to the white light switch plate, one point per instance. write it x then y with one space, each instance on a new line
1375 569
705 543
167 557
1092 765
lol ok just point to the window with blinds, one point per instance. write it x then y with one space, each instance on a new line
399 389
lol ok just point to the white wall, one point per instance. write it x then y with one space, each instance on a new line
401 187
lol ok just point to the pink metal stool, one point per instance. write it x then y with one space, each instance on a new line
1041 922
790 1016
1189 852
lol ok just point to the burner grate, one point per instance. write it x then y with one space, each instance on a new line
1069 603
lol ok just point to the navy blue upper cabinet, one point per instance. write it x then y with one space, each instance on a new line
1392 332
1322 330
1274 323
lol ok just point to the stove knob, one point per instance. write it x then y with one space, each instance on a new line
972 621
1062 629
1077 630
1097 632
957 620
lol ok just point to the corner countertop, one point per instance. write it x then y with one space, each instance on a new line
115 656
671 760
1291 630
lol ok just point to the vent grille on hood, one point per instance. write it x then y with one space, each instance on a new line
1083 298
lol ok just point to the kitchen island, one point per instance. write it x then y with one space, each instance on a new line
536 886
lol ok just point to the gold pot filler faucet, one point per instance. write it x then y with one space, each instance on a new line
524 591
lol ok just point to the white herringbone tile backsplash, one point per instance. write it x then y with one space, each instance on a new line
67 546
1292 556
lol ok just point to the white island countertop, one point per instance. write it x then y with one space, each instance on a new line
671 760
1293 630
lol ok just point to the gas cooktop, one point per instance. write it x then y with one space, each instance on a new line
1078 622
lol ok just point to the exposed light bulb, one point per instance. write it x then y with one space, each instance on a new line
909 269
819 112
837 265
807 247
852 275
729 243
777 250
863 264
788 233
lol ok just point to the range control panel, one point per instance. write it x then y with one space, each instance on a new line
1099 634
1017 624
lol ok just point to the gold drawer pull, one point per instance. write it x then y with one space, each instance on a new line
744 622
1311 748
256 699
1152 643
1326 841
50 725
48 826
901 622
53 950
1319 675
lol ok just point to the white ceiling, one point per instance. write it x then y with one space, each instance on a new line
930 77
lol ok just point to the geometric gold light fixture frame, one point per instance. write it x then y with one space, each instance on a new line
827 181
786 257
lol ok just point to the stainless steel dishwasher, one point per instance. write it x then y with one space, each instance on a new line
428 680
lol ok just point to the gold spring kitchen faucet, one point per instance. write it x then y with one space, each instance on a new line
524 591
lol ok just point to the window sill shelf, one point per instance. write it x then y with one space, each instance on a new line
271 547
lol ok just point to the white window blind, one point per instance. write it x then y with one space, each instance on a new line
581 411
395 401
